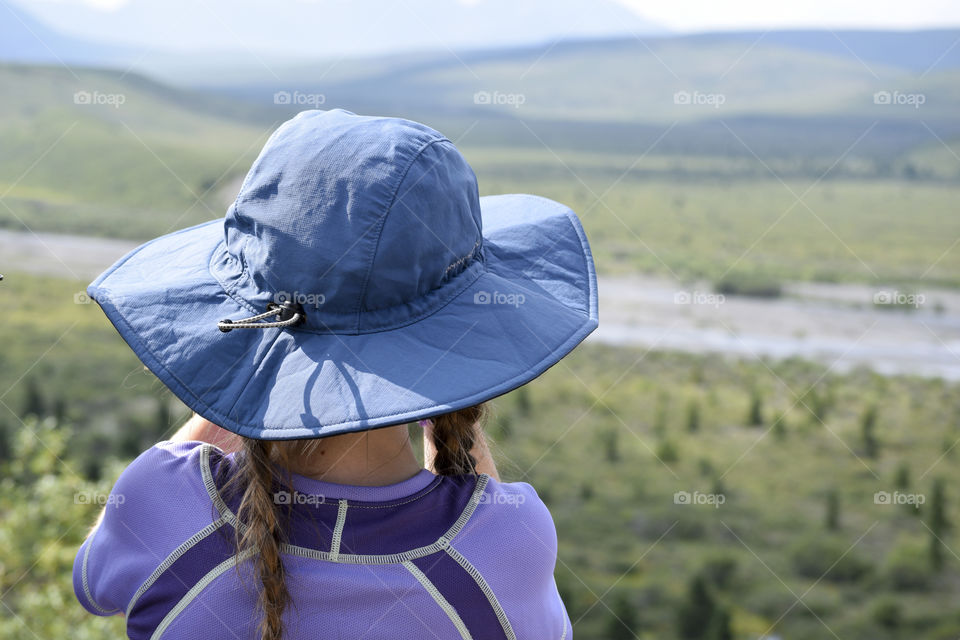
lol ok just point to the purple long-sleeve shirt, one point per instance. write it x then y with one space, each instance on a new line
430 557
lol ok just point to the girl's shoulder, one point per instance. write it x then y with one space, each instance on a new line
516 509
159 501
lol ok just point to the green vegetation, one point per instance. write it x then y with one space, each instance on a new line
853 230
605 468
166 159
43 520
156 163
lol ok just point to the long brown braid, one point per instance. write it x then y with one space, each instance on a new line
454 435
262 516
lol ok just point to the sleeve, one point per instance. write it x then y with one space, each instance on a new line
158 502
528 512
516 523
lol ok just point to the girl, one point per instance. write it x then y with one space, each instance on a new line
358 283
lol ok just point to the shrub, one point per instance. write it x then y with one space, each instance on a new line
697 611
868 423
833 510
749 284
887 613
720 570
780 426
667 451
524 404
937 523
755 415
610 442
907 568
829 559
624 620
693 416
902 479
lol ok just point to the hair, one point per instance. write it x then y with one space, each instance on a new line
259 475
454 435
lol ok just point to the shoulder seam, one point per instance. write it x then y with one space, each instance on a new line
487 591
439 599
195 591
173 557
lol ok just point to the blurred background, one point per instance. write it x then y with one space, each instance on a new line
761 439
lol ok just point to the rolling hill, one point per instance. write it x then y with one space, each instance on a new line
107 153
621 95
616 80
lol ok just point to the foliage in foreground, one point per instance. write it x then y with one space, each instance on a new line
725 530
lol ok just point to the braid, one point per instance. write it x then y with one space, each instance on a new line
261 515
454 435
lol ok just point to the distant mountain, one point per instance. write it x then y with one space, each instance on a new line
923 51
182 40
317 28
24 38
624 80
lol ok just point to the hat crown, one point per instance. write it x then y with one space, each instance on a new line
363 220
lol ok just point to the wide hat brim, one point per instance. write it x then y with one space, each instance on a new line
532 304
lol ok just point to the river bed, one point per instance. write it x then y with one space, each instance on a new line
836 324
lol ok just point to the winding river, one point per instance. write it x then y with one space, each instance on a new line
839 325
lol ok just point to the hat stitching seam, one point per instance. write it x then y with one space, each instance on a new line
242 259
383 221
229 291
413 320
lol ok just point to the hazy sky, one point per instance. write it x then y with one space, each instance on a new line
705 15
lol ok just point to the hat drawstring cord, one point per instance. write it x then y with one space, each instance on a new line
289 314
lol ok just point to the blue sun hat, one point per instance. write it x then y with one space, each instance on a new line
357 281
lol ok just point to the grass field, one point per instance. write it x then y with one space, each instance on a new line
709 223
167 159
152 164
688 217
